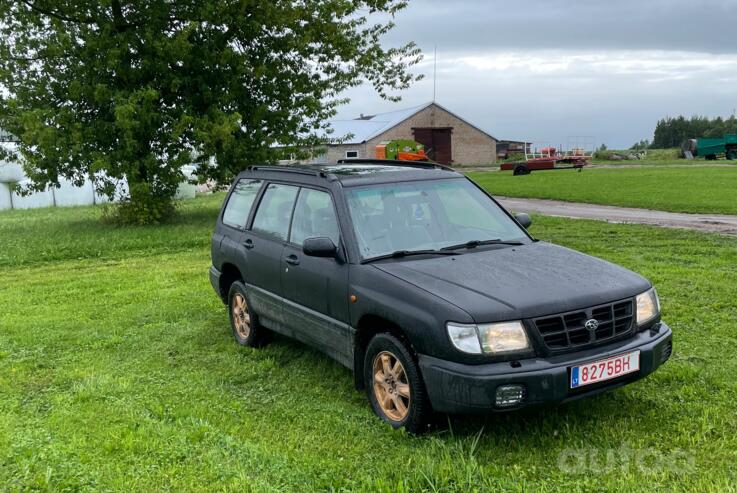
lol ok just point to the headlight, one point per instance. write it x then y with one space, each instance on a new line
498 338
648 306
503 337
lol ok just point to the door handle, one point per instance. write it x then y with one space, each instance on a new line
248 243
292 260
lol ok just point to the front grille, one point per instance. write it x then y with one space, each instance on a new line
568 330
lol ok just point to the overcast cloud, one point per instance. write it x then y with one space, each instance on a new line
546 71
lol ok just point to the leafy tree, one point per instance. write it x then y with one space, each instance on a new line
136 89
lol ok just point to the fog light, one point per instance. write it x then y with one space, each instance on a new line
510 395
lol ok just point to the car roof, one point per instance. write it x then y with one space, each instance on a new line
356 172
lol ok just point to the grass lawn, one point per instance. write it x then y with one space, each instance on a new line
118 372
701 189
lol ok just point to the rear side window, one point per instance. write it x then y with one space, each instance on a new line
275 211
240 202
314 217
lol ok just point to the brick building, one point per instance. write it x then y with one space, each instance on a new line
448 138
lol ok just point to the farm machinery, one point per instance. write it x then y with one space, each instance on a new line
549 158
710 149
401 150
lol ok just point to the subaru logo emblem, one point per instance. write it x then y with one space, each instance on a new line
592 324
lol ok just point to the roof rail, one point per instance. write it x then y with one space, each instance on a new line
397 162
289 169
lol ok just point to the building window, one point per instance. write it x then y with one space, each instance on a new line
350 154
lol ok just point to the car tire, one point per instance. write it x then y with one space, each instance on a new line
394 384
243 321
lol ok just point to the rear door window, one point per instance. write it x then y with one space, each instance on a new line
240 203
275 211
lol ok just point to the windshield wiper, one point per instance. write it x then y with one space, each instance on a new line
407 253
475 243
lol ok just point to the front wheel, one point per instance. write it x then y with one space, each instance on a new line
394 385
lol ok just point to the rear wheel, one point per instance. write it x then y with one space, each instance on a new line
394 385
243 322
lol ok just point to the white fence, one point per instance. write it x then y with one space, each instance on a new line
67 194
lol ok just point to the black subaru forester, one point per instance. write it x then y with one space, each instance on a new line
433 294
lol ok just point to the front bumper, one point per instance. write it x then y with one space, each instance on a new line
458 388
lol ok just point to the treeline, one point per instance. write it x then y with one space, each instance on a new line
671 132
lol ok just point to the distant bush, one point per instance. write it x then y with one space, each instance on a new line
603 155
147 209
514 157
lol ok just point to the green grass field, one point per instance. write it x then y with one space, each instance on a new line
118 373
701 190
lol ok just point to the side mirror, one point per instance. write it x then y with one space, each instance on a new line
524 219
319 247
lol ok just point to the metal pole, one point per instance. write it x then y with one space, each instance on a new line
435 72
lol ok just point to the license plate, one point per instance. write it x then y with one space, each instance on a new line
605 369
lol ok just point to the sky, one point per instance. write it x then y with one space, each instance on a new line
563 72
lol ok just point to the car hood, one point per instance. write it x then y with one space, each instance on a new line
508 283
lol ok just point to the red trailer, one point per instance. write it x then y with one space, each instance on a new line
549 158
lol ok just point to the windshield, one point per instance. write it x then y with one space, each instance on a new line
426 215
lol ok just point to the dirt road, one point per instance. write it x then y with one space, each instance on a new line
714 223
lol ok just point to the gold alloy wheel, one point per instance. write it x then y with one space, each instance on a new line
390 386
241 317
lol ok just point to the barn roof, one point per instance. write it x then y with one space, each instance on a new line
366 128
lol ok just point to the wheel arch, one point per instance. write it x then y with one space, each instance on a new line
368 326
228 275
